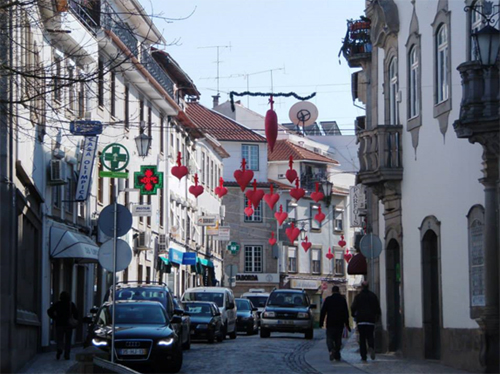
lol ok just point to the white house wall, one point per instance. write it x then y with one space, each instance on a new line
234 162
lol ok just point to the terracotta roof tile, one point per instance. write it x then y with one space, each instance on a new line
219 126
283 149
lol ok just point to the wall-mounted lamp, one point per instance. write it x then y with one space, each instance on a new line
486 39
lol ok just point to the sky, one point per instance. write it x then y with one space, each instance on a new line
264 46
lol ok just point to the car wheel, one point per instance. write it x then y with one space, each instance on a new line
309 334
175 365
211 337
250 330
187 345
264 333
224 331
232 335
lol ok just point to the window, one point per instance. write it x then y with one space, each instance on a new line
212 176
257 212
292 259
150 122
141 112
338 224
70 190
81 97
141 202
476 22
126 111
393 92
56 197
251 154
414 104
148 218
72 86
442 64
316 261
339 262
313 210
100 181
253 259
57 77
112 103
202 170
162 133
100 82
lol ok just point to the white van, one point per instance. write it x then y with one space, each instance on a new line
258 297
224 299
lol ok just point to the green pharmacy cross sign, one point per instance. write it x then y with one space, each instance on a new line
148 180
112 157
233 247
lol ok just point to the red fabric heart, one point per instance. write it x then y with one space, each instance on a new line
347 256
255 196
317 196
329 255
248 211
271 199
292 232
196 190
243 177
297 193
220 191
291 175
280 215
320 216
272 241
342 242
179 171
271 126
306 245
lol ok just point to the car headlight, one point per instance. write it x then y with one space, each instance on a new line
269 315
302 315
166 342
99 342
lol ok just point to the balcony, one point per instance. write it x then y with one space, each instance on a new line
380 155
112 22
357 46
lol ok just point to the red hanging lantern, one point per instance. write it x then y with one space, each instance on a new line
347 255
292 232
297 193
271 198
248 209
196 190
271 126
243 176
255 195
280 215
220 190
291 174
272 239
306 245
342 242
320 216
317 195
329 255
179 171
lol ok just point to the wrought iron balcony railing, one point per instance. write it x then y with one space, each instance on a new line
112 22
157 72
357 45
86 13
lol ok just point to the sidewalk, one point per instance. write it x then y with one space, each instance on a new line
351 362
46 363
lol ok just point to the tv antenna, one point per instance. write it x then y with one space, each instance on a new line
218 60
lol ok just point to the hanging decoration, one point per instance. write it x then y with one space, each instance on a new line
291 174
243 176
280 215
306 244
180 170
320 216
317 195
196 190
272 239
255 195
292 232
265 94
271 198
248 209
271 125
220 190
297 193
347 255
329 255
342 242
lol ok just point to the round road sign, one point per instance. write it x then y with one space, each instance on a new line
370 246
123 220
123 255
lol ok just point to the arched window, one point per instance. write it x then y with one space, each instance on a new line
393 91
414 104
442 64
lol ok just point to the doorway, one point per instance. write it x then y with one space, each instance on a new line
393 274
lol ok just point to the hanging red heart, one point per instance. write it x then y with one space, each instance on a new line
342 242
280 215
291 174
248 209
272 239
329 255
271 198
317 195
320 216
196 190
271 125
306 245
220 190
292 232
179 171
243 176
255 195
297 193
347 255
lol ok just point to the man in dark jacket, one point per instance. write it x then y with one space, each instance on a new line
60 312
335 308
366 311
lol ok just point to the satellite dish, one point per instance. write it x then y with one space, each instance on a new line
303 113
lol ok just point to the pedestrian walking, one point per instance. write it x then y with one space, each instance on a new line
337 317
366 311
65 316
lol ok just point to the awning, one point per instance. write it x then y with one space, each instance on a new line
65 243
197 268
164 265
206 263
357 265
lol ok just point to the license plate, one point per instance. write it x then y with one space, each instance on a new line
133 351
285 322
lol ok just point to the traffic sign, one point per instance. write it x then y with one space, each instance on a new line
123 220
123 255
370 246
232 270
115 157
233 247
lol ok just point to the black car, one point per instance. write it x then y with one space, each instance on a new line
247 319
185 332
144 336
206 320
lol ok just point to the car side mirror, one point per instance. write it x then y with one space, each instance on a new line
313 306
254 309
94 310
176 319
230 306
87 320
217 314
178 311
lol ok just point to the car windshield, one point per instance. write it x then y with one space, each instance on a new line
243 305
258 301
287 299
138 314
196 309
216 297
141 294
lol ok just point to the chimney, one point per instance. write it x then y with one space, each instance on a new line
216 100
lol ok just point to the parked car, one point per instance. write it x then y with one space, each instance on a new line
185 332
258 297
224 299
144 336
206 320
247 319
287 311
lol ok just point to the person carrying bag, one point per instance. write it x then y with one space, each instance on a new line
65 315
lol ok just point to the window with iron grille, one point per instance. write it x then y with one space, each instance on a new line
257 212
250 152
253 259
316 261
292 259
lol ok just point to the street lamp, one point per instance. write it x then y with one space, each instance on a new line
487 41
327 191
143 142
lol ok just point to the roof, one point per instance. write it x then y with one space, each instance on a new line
285 148
219 126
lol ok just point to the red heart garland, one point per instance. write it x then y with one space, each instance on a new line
342 242
271 126
272 239
306 245
179 171
196 190
317 195
255 195
248 209
271 198
347 255
280 215
243 176
291 174
292 232
220 190
297 193
320 216
329 255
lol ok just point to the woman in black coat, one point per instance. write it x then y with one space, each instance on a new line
60 312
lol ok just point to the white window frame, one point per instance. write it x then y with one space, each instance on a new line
414 102
442 64
339 262
257 212
316 261
338 220
393 91
253 259
250 152
292 256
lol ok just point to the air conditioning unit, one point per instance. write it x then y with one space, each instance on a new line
143 240
162 243
281 176
57 172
